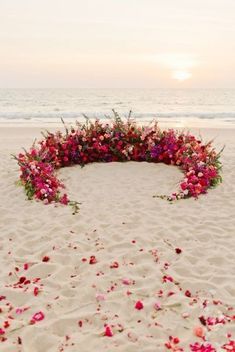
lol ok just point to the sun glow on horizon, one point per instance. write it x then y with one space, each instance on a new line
178 65
181 75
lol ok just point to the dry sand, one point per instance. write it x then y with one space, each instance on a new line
119 221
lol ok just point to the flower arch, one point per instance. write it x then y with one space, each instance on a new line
119 140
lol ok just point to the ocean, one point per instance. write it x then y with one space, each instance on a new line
50 105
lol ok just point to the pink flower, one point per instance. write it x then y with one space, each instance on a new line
229 346
105 142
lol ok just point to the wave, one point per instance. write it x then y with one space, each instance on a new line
228 116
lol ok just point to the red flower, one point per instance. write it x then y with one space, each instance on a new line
139 305
178 250
96 142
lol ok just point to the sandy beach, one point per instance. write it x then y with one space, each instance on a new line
124 250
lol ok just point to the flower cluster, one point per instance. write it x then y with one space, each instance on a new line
117 141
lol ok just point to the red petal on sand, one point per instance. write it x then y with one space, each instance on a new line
114 265
188 293
36 291
26 266
139 305
108 332
93 260
22 279
45 259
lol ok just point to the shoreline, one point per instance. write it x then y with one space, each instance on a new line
165 123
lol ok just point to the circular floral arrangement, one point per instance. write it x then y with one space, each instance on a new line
117 141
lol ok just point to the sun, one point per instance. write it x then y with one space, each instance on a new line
177 66
181 75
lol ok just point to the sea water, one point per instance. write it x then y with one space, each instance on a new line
50 105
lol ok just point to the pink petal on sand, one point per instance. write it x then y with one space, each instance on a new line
100 297
157 306
38 316
2 332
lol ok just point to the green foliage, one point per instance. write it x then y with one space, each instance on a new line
29 190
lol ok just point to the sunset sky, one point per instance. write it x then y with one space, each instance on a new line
117 43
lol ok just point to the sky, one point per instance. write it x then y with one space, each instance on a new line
117 43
